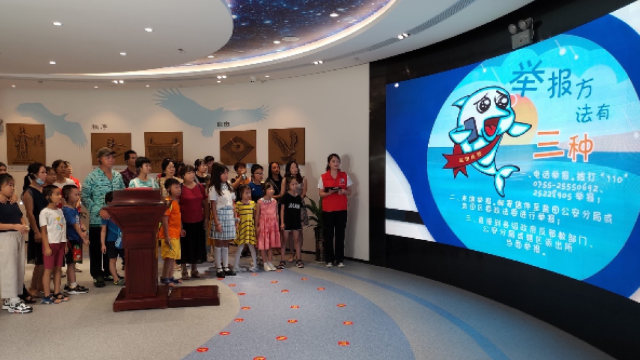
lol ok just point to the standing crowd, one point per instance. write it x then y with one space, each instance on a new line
207 211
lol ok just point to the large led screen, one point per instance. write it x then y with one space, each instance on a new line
533 156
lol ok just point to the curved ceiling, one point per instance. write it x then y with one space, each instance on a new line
98 36
244 40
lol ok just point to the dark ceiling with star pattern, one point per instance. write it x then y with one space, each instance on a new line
289 23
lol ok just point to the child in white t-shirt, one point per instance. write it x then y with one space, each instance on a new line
54 244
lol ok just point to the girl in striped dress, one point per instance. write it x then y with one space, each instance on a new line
223 226
245 217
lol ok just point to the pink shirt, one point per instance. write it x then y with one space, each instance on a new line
191 204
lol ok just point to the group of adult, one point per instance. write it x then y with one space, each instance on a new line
334 186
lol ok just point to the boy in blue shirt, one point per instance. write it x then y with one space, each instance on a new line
76 236
111 240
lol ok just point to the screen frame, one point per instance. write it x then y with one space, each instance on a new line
601 318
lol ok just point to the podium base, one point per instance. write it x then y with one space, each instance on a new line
187 296
167 297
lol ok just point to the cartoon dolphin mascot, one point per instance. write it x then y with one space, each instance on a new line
484 117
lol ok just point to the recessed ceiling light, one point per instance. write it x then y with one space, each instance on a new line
57 23
120 81
318 62
333 15
210 56
219 81
95 86
147 85
115 81
402 36
52 62
148 29
276 42
13 85
123 53
267 76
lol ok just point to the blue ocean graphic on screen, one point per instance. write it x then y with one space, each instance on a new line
206 119
53 122
533 155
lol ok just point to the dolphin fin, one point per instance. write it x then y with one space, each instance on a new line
518 129
459 135
500 176
460 102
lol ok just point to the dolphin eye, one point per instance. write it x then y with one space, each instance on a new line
502 101
483 105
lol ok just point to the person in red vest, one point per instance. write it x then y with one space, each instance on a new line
334 187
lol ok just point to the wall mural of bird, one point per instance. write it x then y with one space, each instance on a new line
287 148
206 119
52 122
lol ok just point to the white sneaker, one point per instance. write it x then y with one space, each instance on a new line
266 267
253 269
20 308
5 304
273 268
340 265
329 265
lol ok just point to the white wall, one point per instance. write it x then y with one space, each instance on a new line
333 107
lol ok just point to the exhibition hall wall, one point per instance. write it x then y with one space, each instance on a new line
332 107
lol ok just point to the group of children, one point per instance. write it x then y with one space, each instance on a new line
236 218
62 238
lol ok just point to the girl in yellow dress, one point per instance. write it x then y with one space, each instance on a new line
246 225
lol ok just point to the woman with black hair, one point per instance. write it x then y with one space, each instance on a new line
168 172
202 172
334 187
34 201
275 179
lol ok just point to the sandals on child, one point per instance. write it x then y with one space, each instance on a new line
48 300
61 296
166 281
299 264
282 265
185 275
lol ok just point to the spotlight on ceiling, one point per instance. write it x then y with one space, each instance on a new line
148 29
210 56
318 62
403 36
522 33
52 62
334 15
57 23
122 53
276 42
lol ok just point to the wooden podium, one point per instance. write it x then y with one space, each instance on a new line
138 212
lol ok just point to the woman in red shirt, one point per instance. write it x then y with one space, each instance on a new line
194 209
334 187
